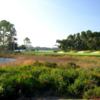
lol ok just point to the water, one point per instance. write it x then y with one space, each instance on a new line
5 60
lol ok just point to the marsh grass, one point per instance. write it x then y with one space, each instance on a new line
28 59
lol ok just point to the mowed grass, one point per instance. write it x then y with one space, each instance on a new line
85 53
73 52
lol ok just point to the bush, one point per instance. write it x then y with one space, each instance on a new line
59 82
77 88
72 65
1 90
27 85
92 93
39 81
49 64
96 77
70 75
37 63
47 84
9 87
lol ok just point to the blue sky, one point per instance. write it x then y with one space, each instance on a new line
45 21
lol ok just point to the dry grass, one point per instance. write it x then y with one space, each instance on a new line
83 61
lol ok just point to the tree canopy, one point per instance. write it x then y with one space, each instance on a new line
27 43
7 35
85 40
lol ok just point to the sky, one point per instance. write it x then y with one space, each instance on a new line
45 21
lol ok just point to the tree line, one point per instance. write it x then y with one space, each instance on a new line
85 40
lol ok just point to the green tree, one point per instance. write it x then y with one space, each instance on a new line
27 43
7 35
22 47
86 40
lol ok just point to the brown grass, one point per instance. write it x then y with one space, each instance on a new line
83 61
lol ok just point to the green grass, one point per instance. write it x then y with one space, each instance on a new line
59 53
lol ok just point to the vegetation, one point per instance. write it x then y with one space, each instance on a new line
86 40
39 80
7 36
27 42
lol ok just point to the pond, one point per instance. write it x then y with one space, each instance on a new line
5 60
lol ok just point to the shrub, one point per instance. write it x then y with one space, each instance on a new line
47 84
77 88
9 90
1 90
82 82
72 65
92 93
27 85
39 81
37 63
51 65
70 75
86 76
37 71
96 77
53 82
